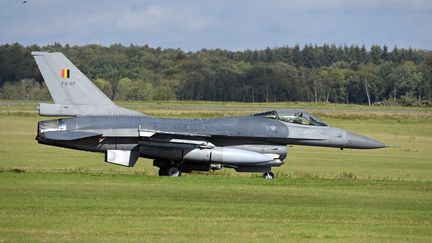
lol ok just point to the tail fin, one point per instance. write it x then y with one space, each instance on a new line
73 93
66 83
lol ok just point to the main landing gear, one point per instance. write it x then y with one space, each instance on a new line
167 168
170 171
174 168
268 175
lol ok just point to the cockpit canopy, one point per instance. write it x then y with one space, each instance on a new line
293 116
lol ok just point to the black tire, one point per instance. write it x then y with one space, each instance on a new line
173 172
268 175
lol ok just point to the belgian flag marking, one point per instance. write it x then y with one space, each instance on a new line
65 73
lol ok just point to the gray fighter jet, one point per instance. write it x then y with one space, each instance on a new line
254 143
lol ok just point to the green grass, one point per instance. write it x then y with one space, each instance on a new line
320 194
97 207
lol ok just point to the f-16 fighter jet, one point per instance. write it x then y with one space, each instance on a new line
254 143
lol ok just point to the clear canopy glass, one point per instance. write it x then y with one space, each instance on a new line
293 116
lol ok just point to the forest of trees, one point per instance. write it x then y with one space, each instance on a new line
328 73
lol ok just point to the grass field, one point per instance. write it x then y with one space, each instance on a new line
52 194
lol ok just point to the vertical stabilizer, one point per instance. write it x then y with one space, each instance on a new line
73 93
66 83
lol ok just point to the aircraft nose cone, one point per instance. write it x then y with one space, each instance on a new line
362 142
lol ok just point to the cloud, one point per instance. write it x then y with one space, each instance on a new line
156 18
228 24
417 5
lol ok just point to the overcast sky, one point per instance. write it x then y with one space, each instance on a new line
227 24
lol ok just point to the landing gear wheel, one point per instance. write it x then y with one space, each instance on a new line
174 172
268 175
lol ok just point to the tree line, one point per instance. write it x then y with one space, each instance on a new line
327 73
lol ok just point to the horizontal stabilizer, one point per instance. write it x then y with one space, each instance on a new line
69 135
